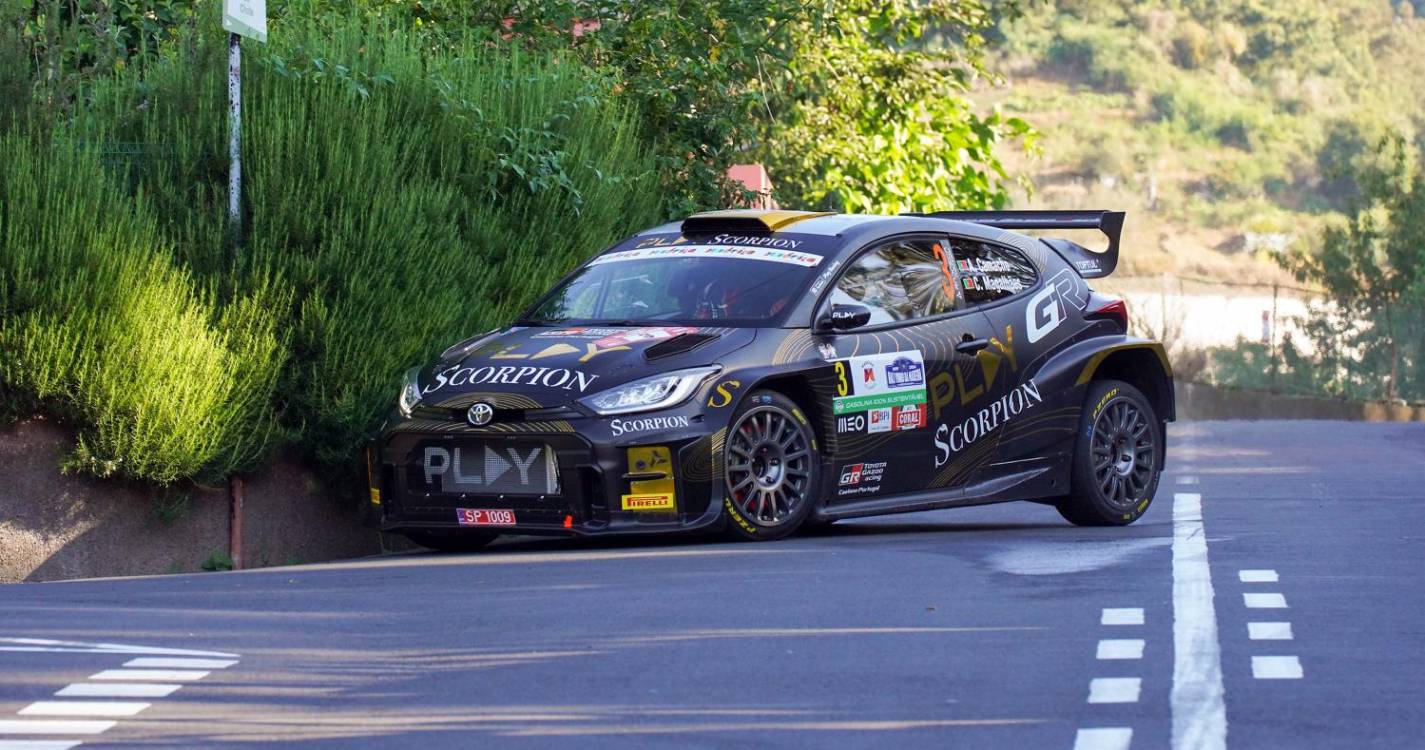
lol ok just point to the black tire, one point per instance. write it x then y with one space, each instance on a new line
452 541
771 468
1117 460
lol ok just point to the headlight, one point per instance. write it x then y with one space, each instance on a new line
657 392
410 392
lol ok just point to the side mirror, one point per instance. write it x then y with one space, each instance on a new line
847 317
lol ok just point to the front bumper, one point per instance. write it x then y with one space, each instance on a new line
604 479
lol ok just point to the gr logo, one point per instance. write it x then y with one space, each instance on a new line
1047 310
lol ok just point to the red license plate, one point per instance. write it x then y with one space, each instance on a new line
484 517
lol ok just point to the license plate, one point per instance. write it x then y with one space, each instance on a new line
484 517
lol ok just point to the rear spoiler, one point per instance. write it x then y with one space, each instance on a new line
1089 264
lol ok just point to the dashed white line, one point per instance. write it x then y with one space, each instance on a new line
1199 711
1276 668
162 662
1264 601
1104 738
38 744
53 726
46 644
1257 576
160 675
1122 616
1115 690
1120 648
83 708
1269 631
118 690
1187 480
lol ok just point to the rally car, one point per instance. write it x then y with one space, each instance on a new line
762 370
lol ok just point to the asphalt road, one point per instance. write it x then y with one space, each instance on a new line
990 627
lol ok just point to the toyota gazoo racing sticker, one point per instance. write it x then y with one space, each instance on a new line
860 478
950 440
1047 309
880 392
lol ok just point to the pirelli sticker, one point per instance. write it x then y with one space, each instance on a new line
644 503
880 392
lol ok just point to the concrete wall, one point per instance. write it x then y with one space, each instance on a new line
1201 402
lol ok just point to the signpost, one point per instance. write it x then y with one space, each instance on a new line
241 18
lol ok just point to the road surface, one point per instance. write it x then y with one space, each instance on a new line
1270 598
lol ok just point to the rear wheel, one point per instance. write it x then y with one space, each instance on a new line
771 467
452 541
1117 460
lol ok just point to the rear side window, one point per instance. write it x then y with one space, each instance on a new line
900 280
989 272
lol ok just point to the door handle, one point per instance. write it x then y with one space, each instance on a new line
970 346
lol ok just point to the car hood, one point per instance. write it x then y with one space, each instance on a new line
553 366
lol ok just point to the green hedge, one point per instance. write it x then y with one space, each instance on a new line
396 199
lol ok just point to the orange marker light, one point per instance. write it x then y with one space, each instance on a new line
568 522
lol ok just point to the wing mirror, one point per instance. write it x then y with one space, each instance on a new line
847 317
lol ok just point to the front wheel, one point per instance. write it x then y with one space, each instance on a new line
771 466
1117 460
452 541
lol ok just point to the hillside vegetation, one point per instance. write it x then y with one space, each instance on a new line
1228 129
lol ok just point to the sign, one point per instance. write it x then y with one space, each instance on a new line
246 18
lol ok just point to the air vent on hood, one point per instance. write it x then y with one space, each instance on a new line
680 344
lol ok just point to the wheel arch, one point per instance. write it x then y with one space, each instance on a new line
1144 365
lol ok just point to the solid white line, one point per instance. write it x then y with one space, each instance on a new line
163 662
107 648
83 708
118 690
1199 711
1125 648
1122 616
53 726
162 675
38 744
1264 601
1115 690
1257 576
1268 630
1276 667
1107 738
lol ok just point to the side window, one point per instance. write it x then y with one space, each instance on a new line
900 280
990 272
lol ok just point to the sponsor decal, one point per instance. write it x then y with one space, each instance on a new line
861 479
947 278
768 254
911 417
1047 309
760 240
950 440
1086 265
460 471
851 423
375 496
903 372
646 424
825 276
878 420
722 393
548 377
578 333
878 400
648 502
827 351
1009 284
1102 401
879 381
636 335
484 517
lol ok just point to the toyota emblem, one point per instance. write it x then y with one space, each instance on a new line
480 413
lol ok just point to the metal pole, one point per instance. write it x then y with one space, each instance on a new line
235 142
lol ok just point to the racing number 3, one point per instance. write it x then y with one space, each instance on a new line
842 387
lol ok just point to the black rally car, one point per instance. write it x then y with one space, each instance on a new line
764 369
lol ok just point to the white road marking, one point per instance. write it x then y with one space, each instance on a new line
118 690
1264 601
1106 738
1257 576
1199 711
1120 648
38 744
1276 668
53 726
45 644
1187 480
83 708
163 662
161 675
1121 616
1115 690
1269 631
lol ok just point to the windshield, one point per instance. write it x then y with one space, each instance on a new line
680 284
